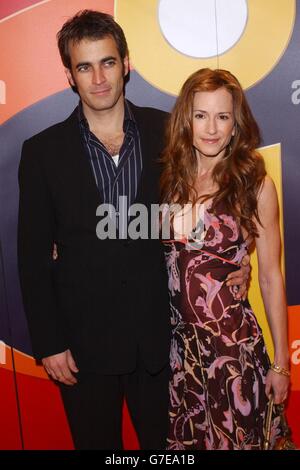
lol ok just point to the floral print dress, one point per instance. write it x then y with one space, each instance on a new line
218 356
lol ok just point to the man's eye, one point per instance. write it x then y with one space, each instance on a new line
109 63
83 68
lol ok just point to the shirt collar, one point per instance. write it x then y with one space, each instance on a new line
128 113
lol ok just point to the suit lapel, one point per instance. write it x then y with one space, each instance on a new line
78 160
148 185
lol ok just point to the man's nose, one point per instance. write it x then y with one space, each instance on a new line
98 75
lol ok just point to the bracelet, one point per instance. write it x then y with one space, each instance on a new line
280 370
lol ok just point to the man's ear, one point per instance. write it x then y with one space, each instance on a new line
126 65
70 77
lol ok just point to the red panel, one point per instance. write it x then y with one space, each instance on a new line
12 6
9 424
36 57
44 422
294 341
130 440
293 416
43 417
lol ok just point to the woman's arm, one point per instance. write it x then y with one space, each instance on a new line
268 246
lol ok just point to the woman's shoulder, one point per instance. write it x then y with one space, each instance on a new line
267 189
267 201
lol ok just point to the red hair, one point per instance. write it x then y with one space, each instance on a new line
239 176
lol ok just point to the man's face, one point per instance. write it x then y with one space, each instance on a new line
98 73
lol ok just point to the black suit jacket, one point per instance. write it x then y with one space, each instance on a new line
105 300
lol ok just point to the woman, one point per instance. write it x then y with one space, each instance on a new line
221 374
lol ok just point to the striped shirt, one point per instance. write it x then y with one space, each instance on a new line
114 180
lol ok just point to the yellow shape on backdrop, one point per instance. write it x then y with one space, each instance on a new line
272 157
264 40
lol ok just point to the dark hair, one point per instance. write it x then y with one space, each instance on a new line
92 25
239 176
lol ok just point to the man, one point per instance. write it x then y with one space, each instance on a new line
98 314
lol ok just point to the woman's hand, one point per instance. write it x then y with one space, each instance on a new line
277 385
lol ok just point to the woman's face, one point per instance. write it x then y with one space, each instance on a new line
213 122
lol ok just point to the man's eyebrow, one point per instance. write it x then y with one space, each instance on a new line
106 59
102 61
80 64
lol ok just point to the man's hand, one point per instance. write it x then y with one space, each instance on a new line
60 367
240 279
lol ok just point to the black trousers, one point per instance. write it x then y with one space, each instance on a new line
94 408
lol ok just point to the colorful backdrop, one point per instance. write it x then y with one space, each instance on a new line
168 39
